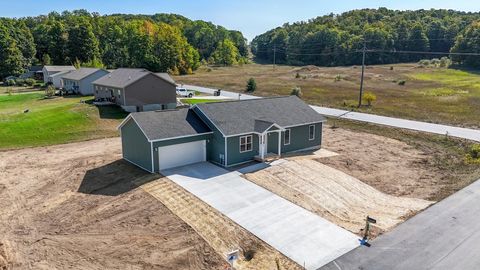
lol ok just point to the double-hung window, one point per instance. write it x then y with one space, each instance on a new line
246 143
311 132
286 137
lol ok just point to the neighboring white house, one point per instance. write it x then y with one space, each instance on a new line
56 79
80 80
51 70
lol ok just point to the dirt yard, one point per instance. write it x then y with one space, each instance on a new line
74 206
371 175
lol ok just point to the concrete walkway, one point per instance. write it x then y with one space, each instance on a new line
465 133
445 236
297 233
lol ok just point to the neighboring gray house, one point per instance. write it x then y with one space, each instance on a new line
80 80
225 133
137 90
51 70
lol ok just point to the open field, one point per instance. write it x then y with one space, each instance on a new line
437 95
78 206
53 121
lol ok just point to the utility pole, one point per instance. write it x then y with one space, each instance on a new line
274 55
363 73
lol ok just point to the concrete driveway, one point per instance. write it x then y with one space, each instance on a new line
297 233
445 236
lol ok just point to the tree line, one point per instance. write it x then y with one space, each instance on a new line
160 42
390 36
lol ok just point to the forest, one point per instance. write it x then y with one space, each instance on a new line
160 42
389 36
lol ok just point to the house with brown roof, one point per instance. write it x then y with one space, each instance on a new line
137 90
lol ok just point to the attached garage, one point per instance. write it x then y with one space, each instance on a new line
177 155
160 140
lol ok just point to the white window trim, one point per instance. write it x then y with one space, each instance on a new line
289 136
246 144
313 138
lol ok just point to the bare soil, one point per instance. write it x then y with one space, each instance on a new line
372 175
77 206
389 165
334 195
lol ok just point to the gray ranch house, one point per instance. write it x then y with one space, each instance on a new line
53 74
80 80
225 133
137 90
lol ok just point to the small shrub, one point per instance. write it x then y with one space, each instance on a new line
251 85
9 91
209 69
50 91
297 75
304 77
424 62
30 82
402 82
350 104
391 68
445 62
296 91
435 62
473 155
369 97
338 78
20 82
10 82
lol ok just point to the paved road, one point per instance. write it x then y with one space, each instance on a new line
470 134
445 236
297 233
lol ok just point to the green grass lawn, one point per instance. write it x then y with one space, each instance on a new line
192 101
53 121
437 95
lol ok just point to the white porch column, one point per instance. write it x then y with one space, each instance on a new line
261 141
279 142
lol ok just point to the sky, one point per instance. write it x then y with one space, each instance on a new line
251 17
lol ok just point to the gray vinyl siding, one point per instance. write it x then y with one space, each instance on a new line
86 86
175 141
272 142
299 138
135 146
216 143
233 150
150 90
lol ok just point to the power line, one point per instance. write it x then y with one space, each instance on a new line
423 52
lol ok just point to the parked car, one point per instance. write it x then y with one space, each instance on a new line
183 92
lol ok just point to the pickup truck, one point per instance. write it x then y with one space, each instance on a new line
183 92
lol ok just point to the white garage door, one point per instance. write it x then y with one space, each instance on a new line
181 154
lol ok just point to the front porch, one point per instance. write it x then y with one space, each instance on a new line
270 144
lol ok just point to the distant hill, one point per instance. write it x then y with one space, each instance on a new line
335 40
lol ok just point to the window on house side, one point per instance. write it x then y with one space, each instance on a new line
311 132
246 143
286 137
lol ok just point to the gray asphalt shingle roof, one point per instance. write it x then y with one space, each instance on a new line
238 117
166 77
159 125
123 77
80 73
59 68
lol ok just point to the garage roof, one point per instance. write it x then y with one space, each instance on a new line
256 115
169 124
